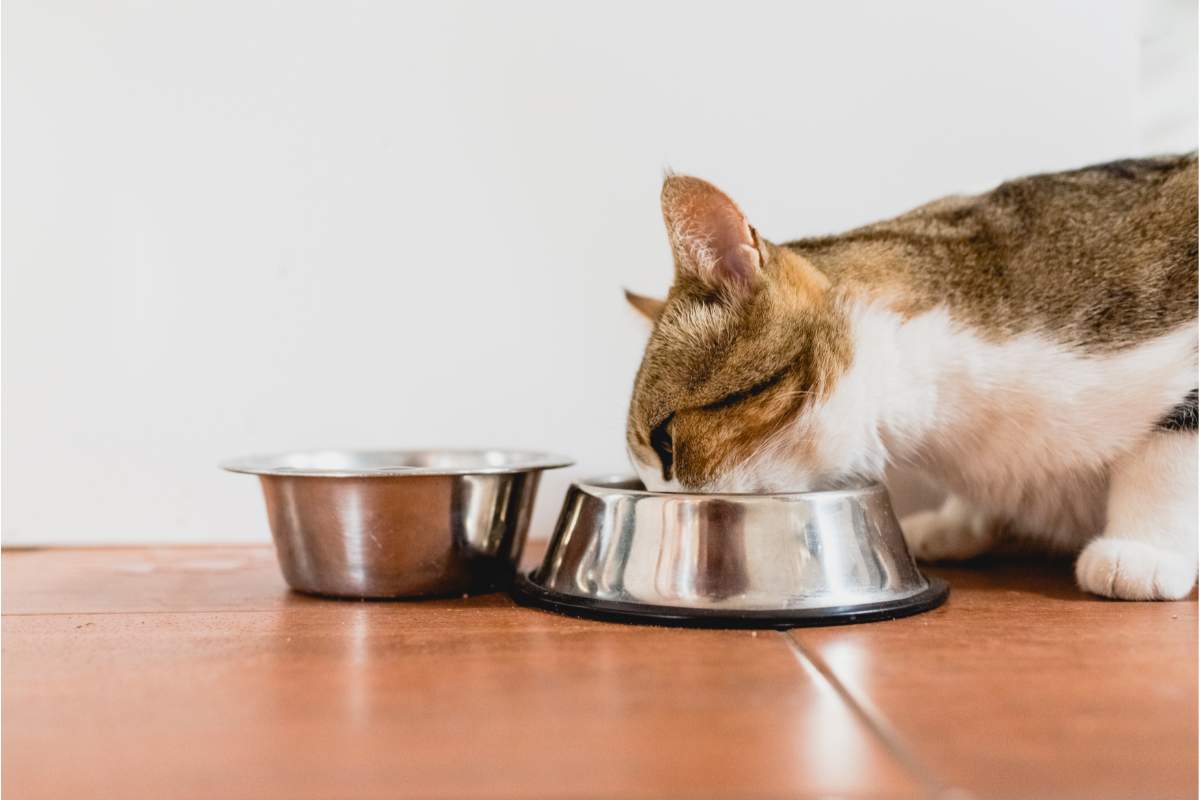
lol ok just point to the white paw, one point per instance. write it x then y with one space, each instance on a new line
1131 570
938 536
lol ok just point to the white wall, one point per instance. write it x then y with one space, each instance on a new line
245 226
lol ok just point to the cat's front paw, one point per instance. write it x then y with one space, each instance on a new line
1127 569
942 536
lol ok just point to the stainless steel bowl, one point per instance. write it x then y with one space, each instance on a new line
398 523
777 560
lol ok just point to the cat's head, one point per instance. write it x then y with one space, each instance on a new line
745 352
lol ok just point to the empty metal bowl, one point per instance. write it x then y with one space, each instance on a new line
399 523
772 561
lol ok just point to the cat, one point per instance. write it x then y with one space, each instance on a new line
1032 350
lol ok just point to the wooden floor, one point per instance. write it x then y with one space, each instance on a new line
194 673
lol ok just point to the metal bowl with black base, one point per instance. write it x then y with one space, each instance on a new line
622 553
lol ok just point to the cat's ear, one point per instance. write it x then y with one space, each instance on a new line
648 307
710 236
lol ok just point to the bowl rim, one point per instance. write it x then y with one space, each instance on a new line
606 483
273 464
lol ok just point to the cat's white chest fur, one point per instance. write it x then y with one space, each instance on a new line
1022 426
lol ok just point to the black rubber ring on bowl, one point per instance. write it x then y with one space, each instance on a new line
528 593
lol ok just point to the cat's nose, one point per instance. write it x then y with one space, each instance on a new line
664 446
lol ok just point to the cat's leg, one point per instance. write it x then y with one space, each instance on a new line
954 532
1148 548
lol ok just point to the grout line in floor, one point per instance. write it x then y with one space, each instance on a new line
873 719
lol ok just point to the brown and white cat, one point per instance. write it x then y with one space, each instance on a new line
1033 350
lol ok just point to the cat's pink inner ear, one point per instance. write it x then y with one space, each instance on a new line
709 234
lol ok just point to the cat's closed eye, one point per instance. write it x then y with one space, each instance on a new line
745 394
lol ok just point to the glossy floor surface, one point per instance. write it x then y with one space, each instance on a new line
194 673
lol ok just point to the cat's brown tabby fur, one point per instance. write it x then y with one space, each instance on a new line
1047 328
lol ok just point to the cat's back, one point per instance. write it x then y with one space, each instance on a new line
1102 257
1136 219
